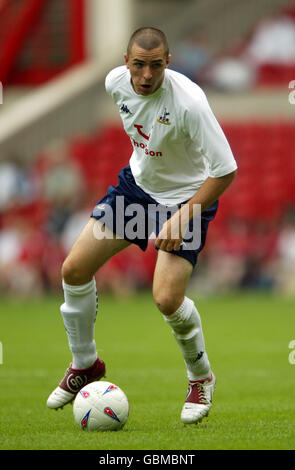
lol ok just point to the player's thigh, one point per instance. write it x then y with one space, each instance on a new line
171 276
90 252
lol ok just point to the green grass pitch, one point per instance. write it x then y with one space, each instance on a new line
247 339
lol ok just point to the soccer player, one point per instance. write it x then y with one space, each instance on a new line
180 159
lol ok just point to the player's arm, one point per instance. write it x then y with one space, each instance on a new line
207 194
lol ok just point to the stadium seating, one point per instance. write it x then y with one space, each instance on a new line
264 186
249 214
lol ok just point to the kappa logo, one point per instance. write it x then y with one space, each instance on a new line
125 109
198 356
163 119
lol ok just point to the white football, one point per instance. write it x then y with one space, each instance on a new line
101 406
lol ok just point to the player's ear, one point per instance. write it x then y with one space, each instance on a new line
168 60
126 60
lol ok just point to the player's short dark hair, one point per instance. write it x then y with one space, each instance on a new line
148 38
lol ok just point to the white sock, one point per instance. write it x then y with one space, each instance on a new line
187 329
79 314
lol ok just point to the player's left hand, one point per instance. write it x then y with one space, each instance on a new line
171 235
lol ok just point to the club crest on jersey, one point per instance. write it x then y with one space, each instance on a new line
163 119
110 388
108 411
84 420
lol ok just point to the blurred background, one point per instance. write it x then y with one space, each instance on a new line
62 143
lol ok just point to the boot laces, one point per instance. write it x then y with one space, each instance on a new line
200 393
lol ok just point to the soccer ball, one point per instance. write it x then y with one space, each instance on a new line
101 406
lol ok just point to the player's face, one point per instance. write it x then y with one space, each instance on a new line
147 68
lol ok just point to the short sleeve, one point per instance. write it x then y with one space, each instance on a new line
114 79
205 131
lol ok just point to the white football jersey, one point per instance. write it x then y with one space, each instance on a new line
177 141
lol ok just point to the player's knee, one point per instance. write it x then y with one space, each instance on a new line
167 302
74 274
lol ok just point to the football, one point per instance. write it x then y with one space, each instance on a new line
101 406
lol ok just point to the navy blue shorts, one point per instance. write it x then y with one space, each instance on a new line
130 213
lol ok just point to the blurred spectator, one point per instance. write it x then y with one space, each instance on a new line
238 256
284 266
192 56
231 74
268 57
73 226
128 271
262 239
272 42
18 273
61 180
61 185
10 239
225 258
16 184
53 255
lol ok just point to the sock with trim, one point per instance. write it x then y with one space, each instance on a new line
79 315
187 329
